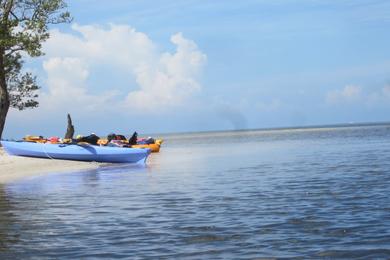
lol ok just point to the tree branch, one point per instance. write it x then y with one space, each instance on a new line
12 13
36 10
13 50
7 10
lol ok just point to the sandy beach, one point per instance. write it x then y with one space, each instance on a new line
14 168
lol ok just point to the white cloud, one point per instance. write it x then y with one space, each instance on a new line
352 94
67 87
172 81
58 71
349 93
164 80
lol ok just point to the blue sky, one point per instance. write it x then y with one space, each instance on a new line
174 66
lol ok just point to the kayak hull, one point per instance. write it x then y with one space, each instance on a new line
76 152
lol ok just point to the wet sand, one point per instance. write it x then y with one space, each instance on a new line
14 168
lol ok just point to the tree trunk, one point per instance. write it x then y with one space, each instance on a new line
4 97
4 106
70 129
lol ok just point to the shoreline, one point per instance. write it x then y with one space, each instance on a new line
13 168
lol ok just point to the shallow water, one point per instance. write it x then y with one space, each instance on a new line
305 193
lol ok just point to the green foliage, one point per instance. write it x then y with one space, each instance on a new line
21 87
23 92
23 28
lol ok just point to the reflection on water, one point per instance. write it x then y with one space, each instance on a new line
298 193
6 222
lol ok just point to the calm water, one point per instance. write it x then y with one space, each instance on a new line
305 193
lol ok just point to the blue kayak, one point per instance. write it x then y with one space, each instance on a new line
76 152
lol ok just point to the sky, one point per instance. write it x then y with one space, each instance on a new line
166 66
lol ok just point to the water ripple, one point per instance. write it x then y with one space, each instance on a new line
265 195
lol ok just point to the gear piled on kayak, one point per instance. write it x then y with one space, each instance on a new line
112 140
115 148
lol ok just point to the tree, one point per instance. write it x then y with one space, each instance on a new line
23 28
